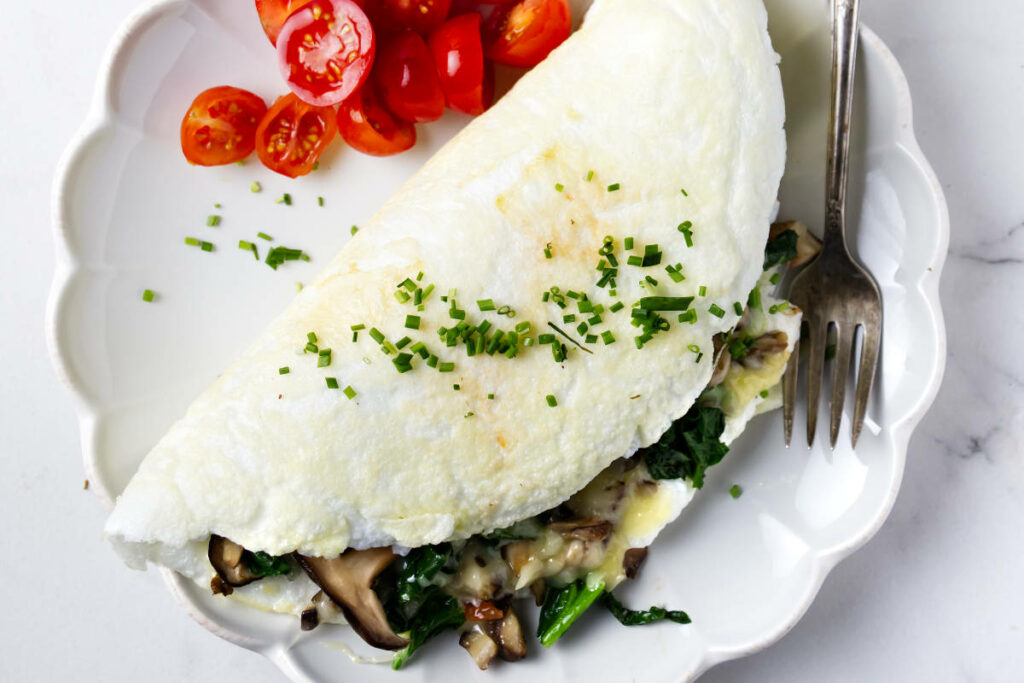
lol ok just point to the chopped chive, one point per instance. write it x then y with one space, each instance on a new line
284 370
192 241
332 383
651 281
507 311
483 327
685 194
486 304
319 201
349 392
716 311
255 187
735 491
206 246
353 230
148 295
594 320
617 306
457 314
213 220
303 256
582 328
360 326
446 367
552 401
524 327
412 322
613 187
590 176
279 255
607 337
402 296
408 284
685 228
559 187
377 335
402 362
545 338
754 300
775 279
665 303
693 347
456 387
764 393
547 250
265 236
628 243
702 291
323 358
689 316
432 361
311 348
571 318
738 307
311 336
635 261
285 199
403 342
591 339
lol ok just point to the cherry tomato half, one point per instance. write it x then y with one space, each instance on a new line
523 34
325 51
293 135
407 79
368 127
273 14
466 79
220 126
422 16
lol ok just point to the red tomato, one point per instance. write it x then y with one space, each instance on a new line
466 79
524 33
273 14
293 134
220 126
370 128
325 51
407 79
485 610
422 16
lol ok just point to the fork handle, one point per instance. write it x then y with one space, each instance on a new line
844 57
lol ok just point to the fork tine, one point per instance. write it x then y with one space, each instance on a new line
840 370
817 332
789 392
865 375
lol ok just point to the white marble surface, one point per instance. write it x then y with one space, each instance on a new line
936 596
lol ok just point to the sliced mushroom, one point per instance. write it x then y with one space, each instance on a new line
764 346
518 554
631 561
321 609
587 529
538 588
807 243
722 366
348 581
511 644
218 586
226 558
481 647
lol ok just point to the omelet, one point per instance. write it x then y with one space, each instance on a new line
539 302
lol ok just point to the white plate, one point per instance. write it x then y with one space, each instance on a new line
745 570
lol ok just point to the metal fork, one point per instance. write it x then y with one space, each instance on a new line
833 289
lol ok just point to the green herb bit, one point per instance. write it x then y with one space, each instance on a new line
735 491
635 261
432 361
651 281
617 306
324 358
545 338
507 311
702 291
255 187
311 348
446 367
559 187
486 304
403 342
552 401
689 316
206 246
332 383
547 250
607 337
490 397
685 194
685 228
524 327
632 617
738 307
763 393
664 303
412 322
353 230
716 310
570 318
279 255
563 606
589 176
148 295
193 241
582 328
284 370
590 339
628 243
614 187
356 328
754 300
403 362
311 336
213 220
265 236
285 199
774 279
456 387
319 201
349 392
377 335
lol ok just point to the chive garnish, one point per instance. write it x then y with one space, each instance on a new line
607 337
456 387
559 187
716 311
775 279
552 401
319 201
685 194
547 250
545 338
353 230
349 392
570 318
279 255
591 339
689 316
206 246
412 322
590 176
255 187
148 295
377 335
332 383
635 261
564 334
403 342
323 358
265 236
486 304
613 187
284 370
192 241
685 228
213 220
285 199
764 393
356 328
617 306
702 291
738 307
665 303
754 300
446 367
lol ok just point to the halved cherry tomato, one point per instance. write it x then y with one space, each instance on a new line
293 135
370 128
524 34
273 14
325 51
407 79
485 610
466 79
422 16
220 126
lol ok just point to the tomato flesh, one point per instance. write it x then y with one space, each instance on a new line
485 610
293 134
273 14
525 33
407 79
220 126
422 16
325 51
369 128
466 79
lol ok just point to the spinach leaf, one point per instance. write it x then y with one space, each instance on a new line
437 611
634 617
780 249
416 570
689 447
262 564
563 606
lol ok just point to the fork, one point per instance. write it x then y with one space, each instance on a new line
834 290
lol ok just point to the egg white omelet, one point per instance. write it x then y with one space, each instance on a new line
659 121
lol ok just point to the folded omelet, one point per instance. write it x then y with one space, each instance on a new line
546 297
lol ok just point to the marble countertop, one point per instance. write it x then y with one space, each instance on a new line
935 596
